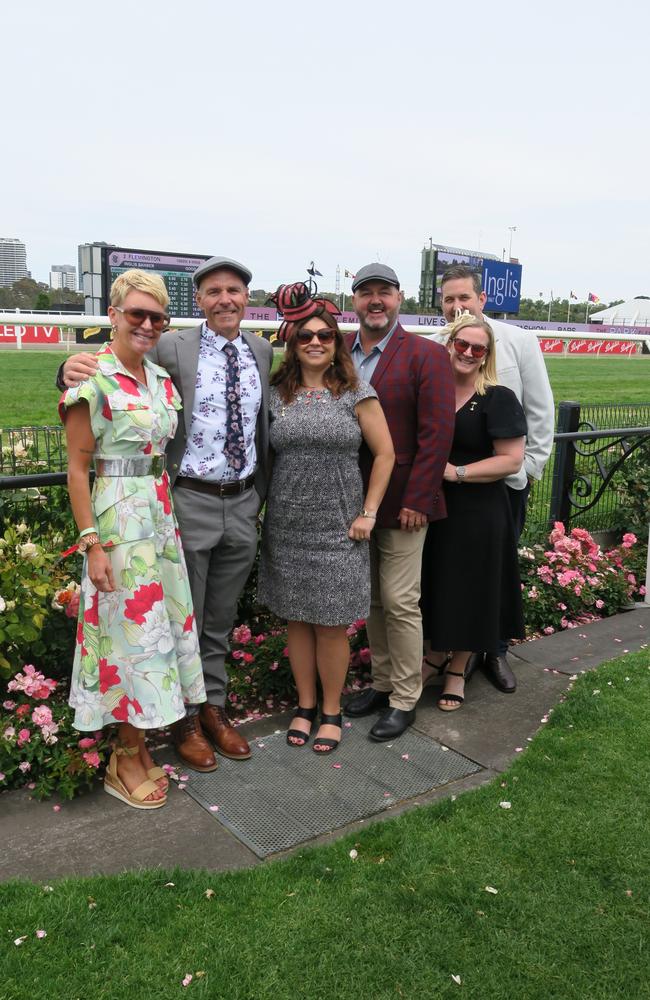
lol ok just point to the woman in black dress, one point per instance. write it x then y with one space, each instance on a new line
471 589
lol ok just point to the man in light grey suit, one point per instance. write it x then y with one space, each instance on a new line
520 367
216 500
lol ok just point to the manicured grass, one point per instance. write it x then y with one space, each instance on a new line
29 396
570 861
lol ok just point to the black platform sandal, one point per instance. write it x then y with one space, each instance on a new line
328 743
302 713
457 698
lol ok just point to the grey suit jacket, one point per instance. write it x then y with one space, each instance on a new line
178 352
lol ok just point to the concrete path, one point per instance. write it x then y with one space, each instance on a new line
95 834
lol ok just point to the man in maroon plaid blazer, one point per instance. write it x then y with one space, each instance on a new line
413 380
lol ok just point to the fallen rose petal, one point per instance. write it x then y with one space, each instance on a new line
48 888
405 756
618 640
184 777
209 893
444 748
169 885
214 809
491 889
386 795
596 691
347 725
56 809
187 980
19 941
182 785
337 766
506 805
518 749
41 934
456 979
354 854
628 892
260 746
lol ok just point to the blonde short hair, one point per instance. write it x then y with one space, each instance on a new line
135 280
487 372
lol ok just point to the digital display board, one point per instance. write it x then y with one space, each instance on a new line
176 270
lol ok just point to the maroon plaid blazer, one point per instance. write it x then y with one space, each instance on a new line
414 382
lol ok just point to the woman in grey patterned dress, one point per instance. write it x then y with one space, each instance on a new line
314 567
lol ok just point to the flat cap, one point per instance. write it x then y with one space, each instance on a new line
375 272
216 264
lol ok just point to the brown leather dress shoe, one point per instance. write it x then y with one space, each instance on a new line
227 741
192 746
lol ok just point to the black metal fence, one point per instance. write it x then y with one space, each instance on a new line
579 483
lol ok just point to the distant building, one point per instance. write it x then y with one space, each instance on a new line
13 261
63 276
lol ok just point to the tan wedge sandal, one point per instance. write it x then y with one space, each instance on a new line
114 785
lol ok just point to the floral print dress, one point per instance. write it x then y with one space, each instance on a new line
137 654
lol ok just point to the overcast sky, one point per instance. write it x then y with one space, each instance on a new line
342 132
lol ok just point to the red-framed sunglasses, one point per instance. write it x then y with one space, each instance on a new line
478 350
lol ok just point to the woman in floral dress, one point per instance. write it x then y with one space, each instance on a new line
137 654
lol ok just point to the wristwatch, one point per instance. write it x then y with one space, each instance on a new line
87 541
461 472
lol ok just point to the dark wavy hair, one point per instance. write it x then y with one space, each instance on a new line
339 377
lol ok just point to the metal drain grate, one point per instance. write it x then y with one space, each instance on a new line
284 796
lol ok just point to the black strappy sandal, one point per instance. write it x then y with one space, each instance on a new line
437 668
457 698
302 713
330 744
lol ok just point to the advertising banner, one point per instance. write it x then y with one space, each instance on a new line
30 334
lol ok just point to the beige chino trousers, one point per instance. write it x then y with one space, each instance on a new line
395 621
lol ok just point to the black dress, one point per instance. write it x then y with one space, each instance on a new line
471 592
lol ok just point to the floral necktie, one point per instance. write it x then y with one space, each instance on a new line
235 448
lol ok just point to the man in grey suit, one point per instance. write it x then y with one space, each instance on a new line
218 486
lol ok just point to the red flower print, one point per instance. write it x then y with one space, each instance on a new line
108 675
187 624
127 384
148 448
80 633
91 614
169 390
106 410
142 601
121 710
162 493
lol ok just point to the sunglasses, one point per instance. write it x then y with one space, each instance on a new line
159 321
306 336
478 350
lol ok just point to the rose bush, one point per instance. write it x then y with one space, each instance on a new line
572 579
30 576
38 745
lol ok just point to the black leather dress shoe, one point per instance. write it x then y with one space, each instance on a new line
366 702
392 724
499 672
474 663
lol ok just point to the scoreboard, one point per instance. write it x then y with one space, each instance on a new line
176 270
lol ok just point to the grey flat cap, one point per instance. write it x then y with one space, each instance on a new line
216 264
375 272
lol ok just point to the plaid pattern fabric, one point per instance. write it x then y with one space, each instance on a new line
415 387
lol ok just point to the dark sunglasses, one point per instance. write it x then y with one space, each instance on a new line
159 321
478 350
306 336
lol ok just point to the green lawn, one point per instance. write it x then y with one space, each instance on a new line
570 919
29 396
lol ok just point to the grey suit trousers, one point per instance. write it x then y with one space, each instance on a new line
219 538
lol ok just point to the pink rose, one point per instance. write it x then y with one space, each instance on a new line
9 705
365 655
628 540
24 736
600 604
248 658
24 766
242 634
549 630
42 715
92 758
87 742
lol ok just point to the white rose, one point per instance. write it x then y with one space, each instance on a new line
28 550
3 604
